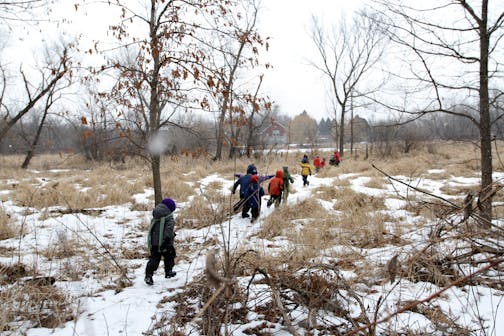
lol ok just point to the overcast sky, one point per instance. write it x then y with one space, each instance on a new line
292 84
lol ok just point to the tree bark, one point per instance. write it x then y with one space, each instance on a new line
33 146
154 110
342 132
485 124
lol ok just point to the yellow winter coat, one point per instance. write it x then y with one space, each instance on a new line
305 169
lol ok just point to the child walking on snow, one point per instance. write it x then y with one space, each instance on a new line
160 240
275 189
254 194
287 179
305 171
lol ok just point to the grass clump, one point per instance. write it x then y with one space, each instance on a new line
6 230
203 211
352 201
42 306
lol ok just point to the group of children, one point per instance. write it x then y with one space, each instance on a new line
162 229
318 164
251 191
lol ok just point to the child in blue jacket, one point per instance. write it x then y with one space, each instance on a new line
253 196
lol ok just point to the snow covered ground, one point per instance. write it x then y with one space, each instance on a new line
101 309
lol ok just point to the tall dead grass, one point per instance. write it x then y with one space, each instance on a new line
26 297
204 210
42 306
6 230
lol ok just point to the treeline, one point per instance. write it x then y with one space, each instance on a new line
102 142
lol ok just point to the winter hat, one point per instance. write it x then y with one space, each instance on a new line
251 169
169 203
254 179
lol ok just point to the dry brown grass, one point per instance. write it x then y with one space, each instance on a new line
178 188
376 182
352 201
279 223
40 303
458 159
462 191
428 210
305 230
6 230
204 211
64 246
336 191
43 306
367 230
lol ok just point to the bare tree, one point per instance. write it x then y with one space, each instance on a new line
50 74
162 68
22 10
451 50
348 53
238 49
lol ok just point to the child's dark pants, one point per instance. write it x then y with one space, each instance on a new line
155 258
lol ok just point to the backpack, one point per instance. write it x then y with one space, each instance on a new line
161 234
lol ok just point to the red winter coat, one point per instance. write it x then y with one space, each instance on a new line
337 156
316 162
276 185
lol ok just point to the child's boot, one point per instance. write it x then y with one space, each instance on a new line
170 274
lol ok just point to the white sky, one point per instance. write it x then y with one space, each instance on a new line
294 84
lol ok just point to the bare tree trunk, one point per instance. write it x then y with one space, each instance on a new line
342 132
156 178
154 104
346 55
485 126
220 131
351 126
31 150
227 96
251 128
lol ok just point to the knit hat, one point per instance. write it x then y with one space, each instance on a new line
254 179
251 169
169 203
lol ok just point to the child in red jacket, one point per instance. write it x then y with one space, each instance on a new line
275 189
316 164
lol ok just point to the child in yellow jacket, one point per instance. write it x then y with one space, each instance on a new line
305 171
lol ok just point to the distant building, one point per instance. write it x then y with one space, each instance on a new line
275 133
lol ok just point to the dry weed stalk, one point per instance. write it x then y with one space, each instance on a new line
31 299
410 306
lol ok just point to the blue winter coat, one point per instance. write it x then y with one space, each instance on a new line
254 194
243 182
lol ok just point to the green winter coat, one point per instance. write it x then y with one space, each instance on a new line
287 179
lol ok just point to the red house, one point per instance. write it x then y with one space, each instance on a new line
275 133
